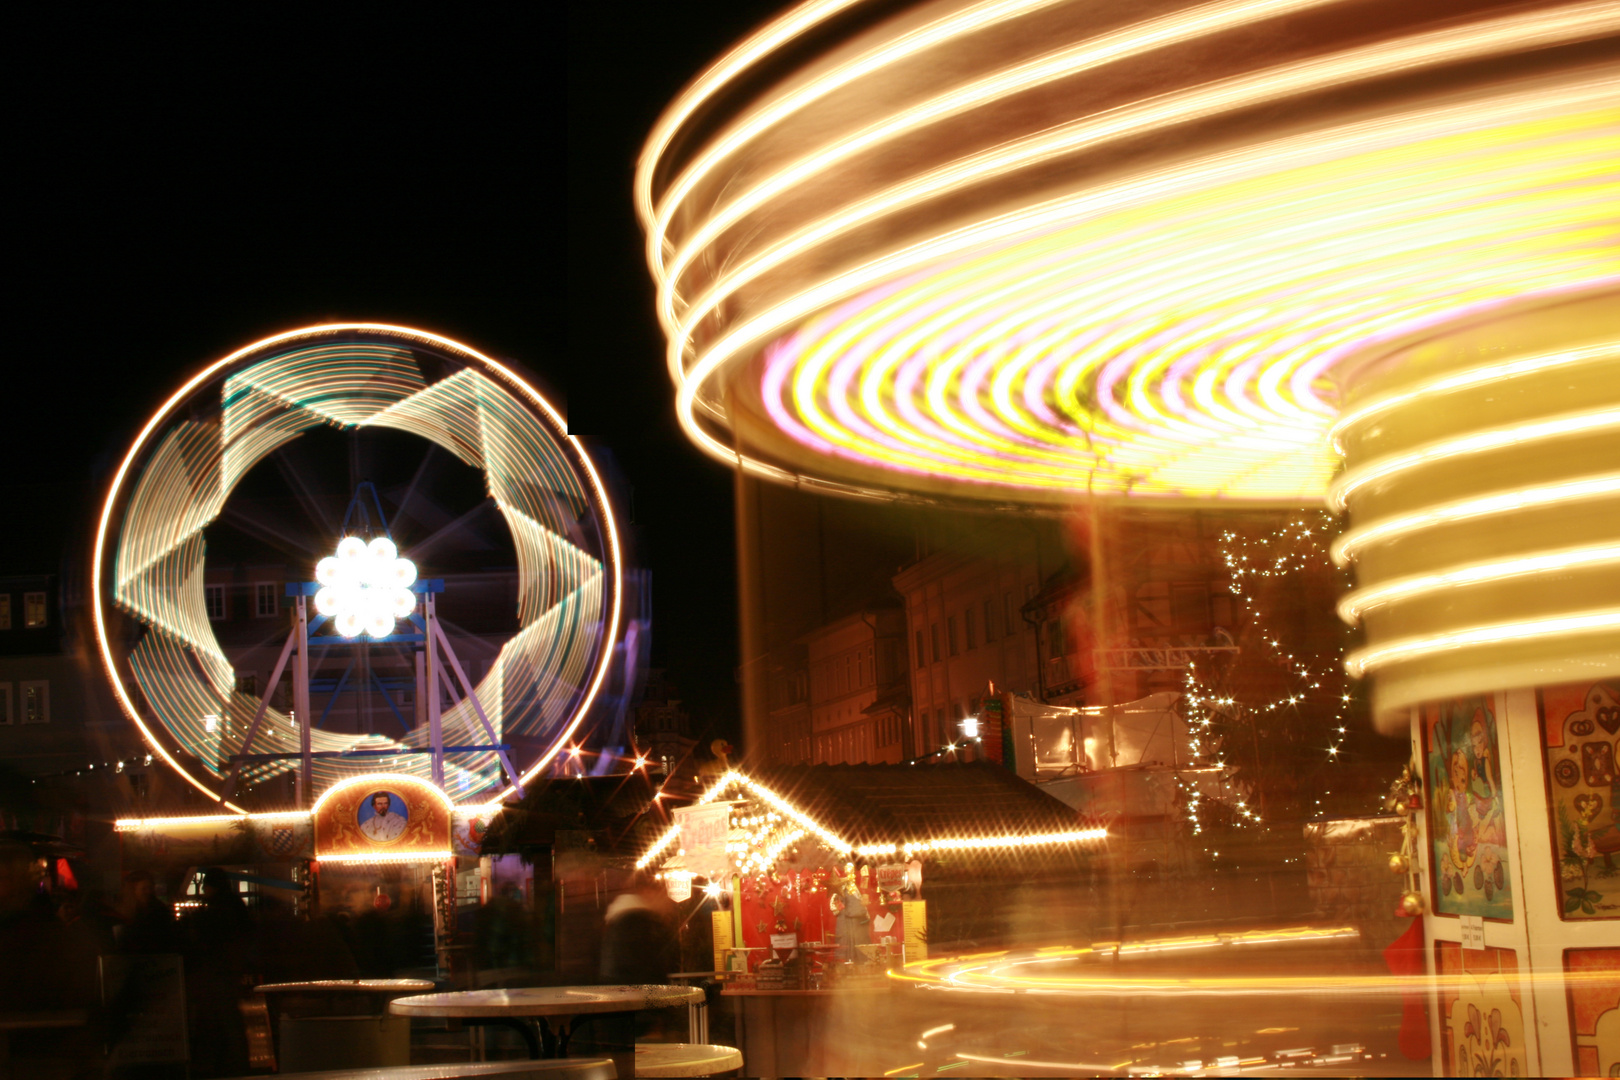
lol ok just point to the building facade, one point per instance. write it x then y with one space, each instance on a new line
840 693
966 635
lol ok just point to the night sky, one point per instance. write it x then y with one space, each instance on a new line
188 180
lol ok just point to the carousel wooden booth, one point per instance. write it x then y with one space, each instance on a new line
816 873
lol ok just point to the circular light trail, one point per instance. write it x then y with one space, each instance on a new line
152 629
866 291
1029 251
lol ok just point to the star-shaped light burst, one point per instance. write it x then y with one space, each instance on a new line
365 588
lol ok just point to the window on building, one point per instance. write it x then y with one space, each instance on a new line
989 622
264 599
36 702
1057 638
934 633
34 609
5 703
921 658
247 684
5 611
968 629
950 634
214 600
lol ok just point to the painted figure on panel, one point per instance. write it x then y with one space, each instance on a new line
382 817
1580 722
1467 814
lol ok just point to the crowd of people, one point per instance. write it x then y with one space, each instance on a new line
58 947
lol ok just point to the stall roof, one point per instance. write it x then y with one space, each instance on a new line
904 810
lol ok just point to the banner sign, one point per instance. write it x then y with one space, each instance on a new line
383 814
703 838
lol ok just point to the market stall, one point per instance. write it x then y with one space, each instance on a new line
818 881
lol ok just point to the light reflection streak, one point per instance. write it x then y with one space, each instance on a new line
1006 973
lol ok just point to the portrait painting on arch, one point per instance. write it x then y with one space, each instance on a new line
382 817
1467 813
1579 724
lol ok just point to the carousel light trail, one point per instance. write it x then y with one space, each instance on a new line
1029 253
1002 972
1165 334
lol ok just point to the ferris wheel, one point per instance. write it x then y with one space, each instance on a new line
177 683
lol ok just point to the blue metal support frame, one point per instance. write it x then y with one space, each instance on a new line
389 698
343 681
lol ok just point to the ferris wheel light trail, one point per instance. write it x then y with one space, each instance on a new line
148 548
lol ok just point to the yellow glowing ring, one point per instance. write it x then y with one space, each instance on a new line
268 397
908 267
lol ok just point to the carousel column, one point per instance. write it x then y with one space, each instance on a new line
1482 483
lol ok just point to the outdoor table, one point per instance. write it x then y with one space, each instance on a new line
685 1059
374 990
698 1016
303 1013
534 1005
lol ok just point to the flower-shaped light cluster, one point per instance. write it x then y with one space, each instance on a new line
365 588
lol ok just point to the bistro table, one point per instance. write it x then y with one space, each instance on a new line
685 1059
376 991
535 1005
698 1016
320 1022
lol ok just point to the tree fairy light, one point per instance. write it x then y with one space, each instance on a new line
365 588
1216 710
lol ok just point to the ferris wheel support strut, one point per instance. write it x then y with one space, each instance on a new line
437 633
306 785
431 669
225 791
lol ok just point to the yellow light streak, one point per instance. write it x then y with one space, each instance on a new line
394 857
1598 486
1064 63
1585 422
1462 380
1353 606
1604 620
137 824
